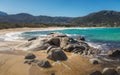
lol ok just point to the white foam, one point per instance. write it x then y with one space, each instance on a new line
13 36
84 28
94 45
72 34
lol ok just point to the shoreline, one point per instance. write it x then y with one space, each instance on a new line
25 29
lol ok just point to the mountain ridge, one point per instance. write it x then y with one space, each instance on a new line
101 18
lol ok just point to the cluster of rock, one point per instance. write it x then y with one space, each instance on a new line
55 44
107 71
59 40
30 59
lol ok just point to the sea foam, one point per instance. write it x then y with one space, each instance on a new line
13 36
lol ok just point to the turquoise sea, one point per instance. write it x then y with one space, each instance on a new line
107 38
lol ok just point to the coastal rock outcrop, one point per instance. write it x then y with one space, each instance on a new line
58 40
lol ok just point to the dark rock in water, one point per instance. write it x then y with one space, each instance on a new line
109 71
80 38
95 61
96 73
43 63
115 53
56 54
33 38
30 56
54 41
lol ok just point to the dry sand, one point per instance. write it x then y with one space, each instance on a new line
13 64
4 31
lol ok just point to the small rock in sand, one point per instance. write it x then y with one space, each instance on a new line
30 56
43 63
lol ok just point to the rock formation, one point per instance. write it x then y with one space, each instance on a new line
57 40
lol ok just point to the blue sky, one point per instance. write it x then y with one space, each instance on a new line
71 8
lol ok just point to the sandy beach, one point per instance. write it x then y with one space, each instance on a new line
13 64
12 61
4 31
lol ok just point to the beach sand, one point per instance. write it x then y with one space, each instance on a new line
4 31
13 64
12 61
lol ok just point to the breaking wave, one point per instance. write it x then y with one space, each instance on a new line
13 36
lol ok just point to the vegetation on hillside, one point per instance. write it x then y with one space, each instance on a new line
103 18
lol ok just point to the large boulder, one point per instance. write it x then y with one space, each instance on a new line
54 41
64 41
30 56
115 53
109 71
96 73
56 54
